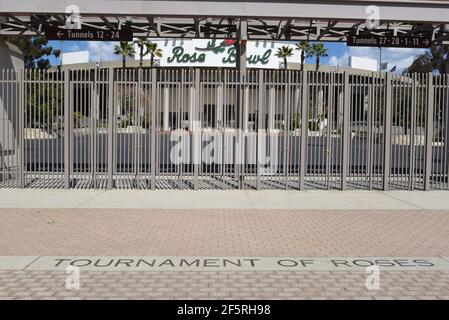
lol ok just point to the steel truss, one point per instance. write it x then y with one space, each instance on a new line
214 27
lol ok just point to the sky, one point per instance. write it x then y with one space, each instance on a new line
337 55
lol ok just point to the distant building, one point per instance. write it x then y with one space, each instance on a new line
74 57
363 63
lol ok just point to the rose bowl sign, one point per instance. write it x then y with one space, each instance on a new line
218 53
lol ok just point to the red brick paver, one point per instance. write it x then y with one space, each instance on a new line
223 232
222 285
108 232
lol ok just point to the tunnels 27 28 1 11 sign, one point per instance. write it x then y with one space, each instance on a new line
371 40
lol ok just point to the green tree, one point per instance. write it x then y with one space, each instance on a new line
35 50
318 50
284 52
437 58
43 101
143 44
125 49
304 47
153 51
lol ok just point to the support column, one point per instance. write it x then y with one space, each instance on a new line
346 133
241 67
260 132
304 132
429 133
111 124
413 132
369 147
153 128
137 131
196 132
67 131
20 126
93 126
446 123
387 132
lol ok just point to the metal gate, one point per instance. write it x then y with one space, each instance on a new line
221 129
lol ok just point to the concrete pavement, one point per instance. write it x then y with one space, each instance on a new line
232 199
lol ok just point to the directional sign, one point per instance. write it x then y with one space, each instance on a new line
372 40
88 34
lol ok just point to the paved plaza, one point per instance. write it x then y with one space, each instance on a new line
405 235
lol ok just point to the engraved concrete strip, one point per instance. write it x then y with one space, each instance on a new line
214 263
16 262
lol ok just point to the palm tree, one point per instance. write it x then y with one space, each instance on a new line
125 49
153 51
284 52
318 50
304 47
143 44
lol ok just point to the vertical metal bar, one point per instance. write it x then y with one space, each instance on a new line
286 128
196 130
20 126
387 131
328 129
439 165
369 146
93 129
346 134
304 124
137 145
153 129
260 132
67 130
415 92
429 132
445 105
111 124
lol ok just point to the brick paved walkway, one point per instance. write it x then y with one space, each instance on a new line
222 285
224 233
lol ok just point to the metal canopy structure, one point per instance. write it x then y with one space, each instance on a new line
260 19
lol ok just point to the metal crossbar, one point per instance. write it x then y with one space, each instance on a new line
213 129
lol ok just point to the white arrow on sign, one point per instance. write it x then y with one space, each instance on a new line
60 34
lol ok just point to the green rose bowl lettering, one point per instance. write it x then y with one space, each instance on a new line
179 56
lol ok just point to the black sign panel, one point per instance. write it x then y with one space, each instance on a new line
89 34
371 40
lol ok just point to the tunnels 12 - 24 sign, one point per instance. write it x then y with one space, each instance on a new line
87 34
372 40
